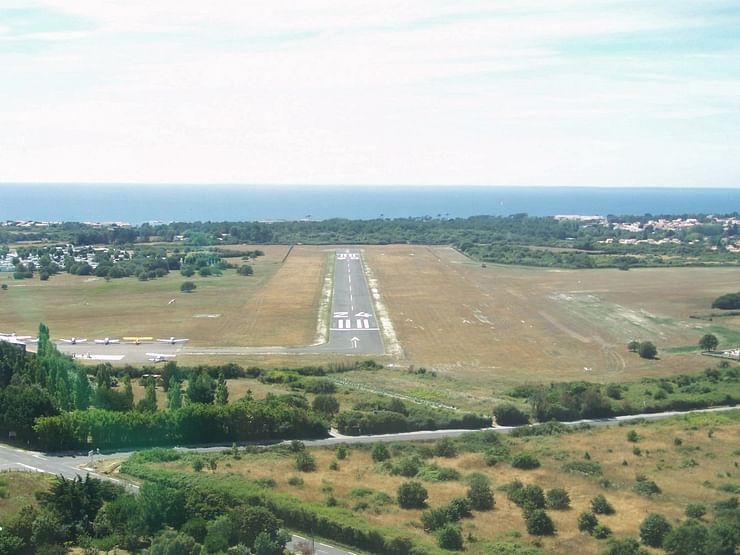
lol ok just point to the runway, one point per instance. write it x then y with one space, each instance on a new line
353 327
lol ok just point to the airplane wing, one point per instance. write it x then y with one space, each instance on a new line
180 340
163 340
159 355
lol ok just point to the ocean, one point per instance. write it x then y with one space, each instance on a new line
136 204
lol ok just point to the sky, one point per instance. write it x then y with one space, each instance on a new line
419 92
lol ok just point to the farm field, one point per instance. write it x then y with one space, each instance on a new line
692 459
277 305
509 324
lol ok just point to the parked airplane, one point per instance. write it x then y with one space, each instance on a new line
158 357
172 340
107 341
12 335
137 340
74 341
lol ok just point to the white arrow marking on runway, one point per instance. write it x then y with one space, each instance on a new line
341 314
355 341
362 315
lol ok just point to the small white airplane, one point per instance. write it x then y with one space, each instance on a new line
74 340
12 335
107 341
172 340
158 357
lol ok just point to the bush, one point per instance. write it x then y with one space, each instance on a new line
600 506
696 510
412 495
558 498
654 529
601 532
445 448
646 487
539 523
295 481
587 521
525 461
450 537
626 546
633 436
480 494
188 286
305 462
342 452
587 468
380 452
510 415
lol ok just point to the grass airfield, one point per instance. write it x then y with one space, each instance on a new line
474 329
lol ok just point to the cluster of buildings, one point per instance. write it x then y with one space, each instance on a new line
57 254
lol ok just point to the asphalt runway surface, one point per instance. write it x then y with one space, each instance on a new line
353 327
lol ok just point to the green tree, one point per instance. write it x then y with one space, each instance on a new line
633 346
222 391
248 522
647 349
653 529
689 538
723 538
82 390
412 495
245 270
695 510
201 388
173 543
149 401
128 390
445 447
708 342
188 287
325 404
174 394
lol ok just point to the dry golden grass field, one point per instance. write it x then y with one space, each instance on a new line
507 323
688 473
275 306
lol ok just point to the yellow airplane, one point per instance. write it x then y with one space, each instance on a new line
137 340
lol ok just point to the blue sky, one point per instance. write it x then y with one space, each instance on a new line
526 92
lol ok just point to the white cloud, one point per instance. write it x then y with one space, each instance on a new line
338 92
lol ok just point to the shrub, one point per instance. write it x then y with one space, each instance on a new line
509 415
380 452
525 461
445 448
539 523
480 494
407 466
696 510
295 481
450 537
459 508
600 506
587 521
625 546
188 287
633 436
558 498
435 473
412 495
601 532
646 487
654 529
305 462
434 519
342 452
587 468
